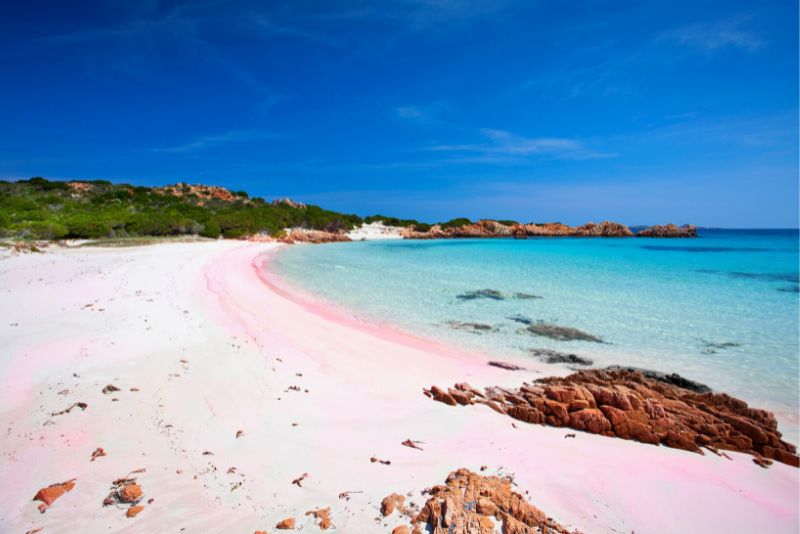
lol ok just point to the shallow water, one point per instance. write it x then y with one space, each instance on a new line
721 309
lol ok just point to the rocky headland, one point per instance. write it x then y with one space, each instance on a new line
646 407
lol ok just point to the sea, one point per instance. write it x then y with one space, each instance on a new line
721 309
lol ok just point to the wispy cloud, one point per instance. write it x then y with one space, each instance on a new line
427 113
211 141
505 147
711 36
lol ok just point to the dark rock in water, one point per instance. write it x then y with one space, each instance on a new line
789 289
553 356
482 294
560 333
526 296
507 366
521 319
477 328
669 378
712 348
767 277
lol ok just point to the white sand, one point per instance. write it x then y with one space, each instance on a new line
245 345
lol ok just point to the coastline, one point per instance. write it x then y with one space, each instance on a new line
245 344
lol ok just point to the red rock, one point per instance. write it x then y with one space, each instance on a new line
469 503
630 404
52 492
591 420
323 515
130 493
286 524
391 503
401 529
669 230
133 511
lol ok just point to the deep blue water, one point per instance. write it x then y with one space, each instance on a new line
721 309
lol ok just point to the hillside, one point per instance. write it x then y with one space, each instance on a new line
43 209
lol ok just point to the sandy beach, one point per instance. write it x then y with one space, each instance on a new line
203 343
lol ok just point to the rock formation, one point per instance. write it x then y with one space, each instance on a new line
630 405
669 230
490 228
469 503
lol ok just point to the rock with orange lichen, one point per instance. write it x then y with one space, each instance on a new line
401 529
133 511
323 515
52 492
260 532
287 524
469 503
391 503
638 405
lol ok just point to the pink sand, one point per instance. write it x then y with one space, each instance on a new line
247 338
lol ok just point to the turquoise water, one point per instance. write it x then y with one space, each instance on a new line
721 309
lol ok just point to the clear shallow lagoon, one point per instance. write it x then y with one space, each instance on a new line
721 309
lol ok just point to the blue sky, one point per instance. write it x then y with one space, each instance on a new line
635 111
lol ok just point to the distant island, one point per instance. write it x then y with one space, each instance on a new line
51 210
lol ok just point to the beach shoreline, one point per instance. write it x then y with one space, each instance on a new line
213 348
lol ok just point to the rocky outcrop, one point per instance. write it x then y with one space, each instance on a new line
630 405
52 492
669 230
304 235
288 202
202 192
604 229
490 228
469 503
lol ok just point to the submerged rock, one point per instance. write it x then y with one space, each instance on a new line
477 328
709 347
507 366
492 294
645 406
560 333
469 503
526 296
521 319
553 356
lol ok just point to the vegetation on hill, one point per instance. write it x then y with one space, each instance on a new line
43 209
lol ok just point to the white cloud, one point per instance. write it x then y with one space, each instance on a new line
505 147
209 141
712 36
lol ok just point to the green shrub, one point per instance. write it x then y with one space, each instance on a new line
41 230
211 229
